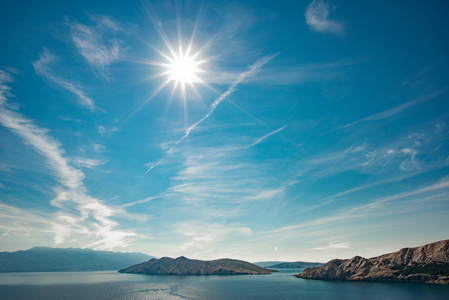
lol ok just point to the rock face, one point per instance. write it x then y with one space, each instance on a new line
45 259
185 266
296 264
428 263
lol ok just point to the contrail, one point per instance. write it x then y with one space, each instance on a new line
7 232
266 136
253 70
395 110
155 165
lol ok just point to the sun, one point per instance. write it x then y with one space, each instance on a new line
183 68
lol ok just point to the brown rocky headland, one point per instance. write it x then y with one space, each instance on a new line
428 263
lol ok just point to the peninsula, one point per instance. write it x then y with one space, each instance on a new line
185 266
428 263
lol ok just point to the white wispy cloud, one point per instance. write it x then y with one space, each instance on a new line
3 166
372 208
197 236
43 144
212 189
94 218
252 70
87 162
95 44
395 110
359 188
7 232
317 17
98 148
22 223
299 74
333 246
107 130
391 159
386 163
139 201
5 90
43 68
258 141
217 176
5 77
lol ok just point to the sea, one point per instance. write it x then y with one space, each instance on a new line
279 285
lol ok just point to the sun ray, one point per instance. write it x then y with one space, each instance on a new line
158 89
196 92
170 99
195 28
156 25
181 63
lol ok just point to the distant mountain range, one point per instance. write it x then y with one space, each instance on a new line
185 266
284 264
45 259
265 264
428 263
295 264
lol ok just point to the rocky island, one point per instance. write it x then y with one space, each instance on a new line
428 263
185 266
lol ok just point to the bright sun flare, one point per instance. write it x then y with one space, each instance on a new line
182 70
183 67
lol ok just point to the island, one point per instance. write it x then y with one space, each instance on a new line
185 266
428 263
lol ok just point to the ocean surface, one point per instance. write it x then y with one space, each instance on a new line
280 285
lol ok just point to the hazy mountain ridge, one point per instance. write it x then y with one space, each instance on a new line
265 264
185 266
428 263
46 259
296 264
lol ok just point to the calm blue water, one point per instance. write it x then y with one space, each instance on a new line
282 285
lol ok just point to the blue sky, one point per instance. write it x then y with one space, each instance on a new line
305 131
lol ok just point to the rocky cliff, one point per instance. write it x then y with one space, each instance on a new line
428 263
185 266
